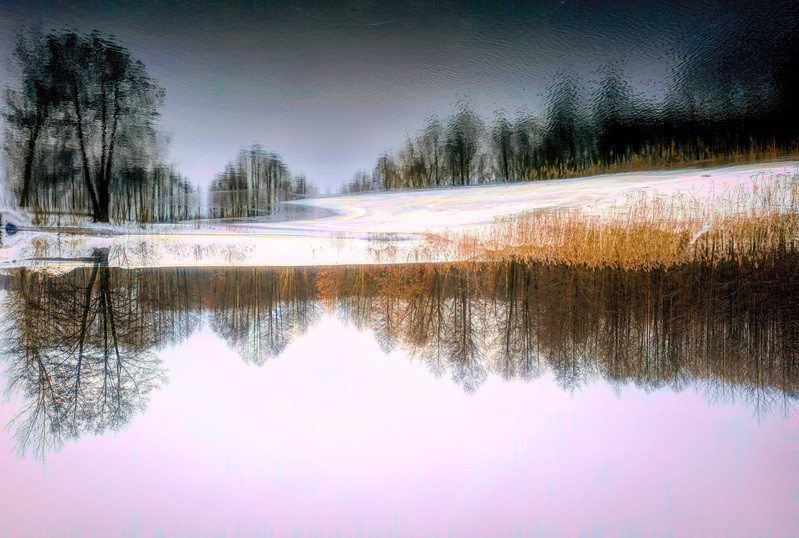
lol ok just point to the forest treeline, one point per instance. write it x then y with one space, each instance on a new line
81 135
730 99
82 140
81 132
81 347
253 184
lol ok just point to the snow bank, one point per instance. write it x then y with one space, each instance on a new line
386 227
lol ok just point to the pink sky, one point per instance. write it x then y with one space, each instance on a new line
336 437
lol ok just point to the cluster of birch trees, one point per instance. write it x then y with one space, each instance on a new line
254 184
81 136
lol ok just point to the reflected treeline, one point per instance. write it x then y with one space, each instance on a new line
81 136
731 330
81 347
254 184
258 311
730 98
79 350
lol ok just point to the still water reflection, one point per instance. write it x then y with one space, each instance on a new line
538 355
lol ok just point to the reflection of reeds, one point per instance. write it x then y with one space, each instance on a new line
727 329
647 233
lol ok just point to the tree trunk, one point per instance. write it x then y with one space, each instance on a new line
87 177
84 327
105 185
27 174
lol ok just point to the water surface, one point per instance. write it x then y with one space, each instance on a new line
402 400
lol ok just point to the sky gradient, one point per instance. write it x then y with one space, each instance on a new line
329 86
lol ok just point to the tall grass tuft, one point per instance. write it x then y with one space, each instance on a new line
653 232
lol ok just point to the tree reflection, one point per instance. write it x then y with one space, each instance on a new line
79 352
518 311
728 331
257 311
80 346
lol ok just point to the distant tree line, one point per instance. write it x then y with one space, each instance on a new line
731 98
81 134
254 184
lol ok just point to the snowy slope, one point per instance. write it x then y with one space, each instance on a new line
386 227
453 208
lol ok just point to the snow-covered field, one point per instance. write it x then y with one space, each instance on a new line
386 227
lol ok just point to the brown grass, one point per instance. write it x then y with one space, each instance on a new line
648 232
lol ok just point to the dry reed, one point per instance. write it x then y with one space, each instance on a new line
648 232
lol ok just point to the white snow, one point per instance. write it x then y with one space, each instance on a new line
384 227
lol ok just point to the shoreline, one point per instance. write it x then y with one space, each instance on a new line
396 227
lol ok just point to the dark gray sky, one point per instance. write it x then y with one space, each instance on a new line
329 86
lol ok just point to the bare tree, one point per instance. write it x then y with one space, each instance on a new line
251 185
28 107
463 137
502 143
79 354
86 88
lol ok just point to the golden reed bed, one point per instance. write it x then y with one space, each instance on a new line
648 232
